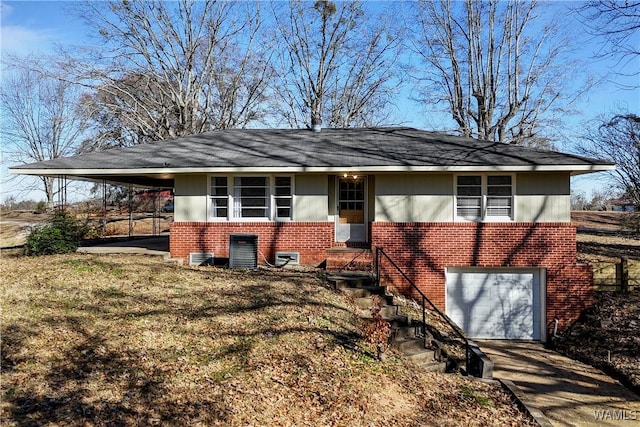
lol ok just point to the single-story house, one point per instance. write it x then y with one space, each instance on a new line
622 204
482 228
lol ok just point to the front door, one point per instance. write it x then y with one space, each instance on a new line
351 224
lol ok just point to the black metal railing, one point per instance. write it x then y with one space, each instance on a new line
381 253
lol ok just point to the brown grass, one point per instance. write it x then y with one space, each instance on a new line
126 340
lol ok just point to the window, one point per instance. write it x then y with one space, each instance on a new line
480 197
282 197
499 196
251 197
469 197
219 197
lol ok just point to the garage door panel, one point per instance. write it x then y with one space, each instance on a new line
496 303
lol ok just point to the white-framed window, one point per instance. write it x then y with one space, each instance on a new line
219 197
484 197
283 198
251 198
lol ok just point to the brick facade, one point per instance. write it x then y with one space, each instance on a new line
311 239
440 245
434 247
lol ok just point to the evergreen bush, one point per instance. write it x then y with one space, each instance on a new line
60 236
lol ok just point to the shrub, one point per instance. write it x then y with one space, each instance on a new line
378 331
60 236
41 207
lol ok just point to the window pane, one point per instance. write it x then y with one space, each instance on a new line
253 192
221 212
254 202
253 181
283 212
499 206
469 207
219 202
469 180
283 181
499 191
499 180
281 202
219 181
469 186
254 213
283 191
469 191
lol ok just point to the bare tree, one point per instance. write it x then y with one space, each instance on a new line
500 73
619 23
41 120
168 69
335 63
618 138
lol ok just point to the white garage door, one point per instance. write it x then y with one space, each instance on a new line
496 303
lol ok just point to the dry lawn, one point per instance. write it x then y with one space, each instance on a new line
607 336
128 340
602 241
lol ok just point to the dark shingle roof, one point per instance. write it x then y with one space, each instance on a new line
301 149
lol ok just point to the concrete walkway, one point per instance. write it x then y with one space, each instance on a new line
569 393
158 245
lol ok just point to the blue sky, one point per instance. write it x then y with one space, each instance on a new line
34 27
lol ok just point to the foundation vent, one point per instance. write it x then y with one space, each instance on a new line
200 258
287 258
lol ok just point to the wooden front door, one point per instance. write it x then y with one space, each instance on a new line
351 221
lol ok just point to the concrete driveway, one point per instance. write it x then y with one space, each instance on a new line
155 245
569 393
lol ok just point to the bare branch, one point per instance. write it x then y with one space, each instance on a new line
335 62
498 79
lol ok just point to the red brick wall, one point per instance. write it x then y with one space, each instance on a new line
440 245
436 246
309 238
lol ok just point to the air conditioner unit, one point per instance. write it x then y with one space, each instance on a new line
287 258
201 258
243 251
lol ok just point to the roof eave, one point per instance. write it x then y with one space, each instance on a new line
170 172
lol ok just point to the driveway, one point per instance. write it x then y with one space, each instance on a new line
568 392
157 245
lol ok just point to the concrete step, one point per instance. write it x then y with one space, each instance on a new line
422 357
389 311
397 321
368 292
409 346
351 282
404 332
439 367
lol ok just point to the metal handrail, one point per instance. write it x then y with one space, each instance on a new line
380 252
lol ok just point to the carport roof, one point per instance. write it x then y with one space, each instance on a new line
301 150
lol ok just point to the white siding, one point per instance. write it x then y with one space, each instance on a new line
543 197
190 198
415 197
311 201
